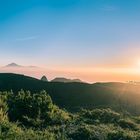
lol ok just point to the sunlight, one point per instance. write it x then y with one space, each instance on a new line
138 63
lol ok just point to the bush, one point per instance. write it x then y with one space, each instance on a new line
3 110
127 123
9 131
100 115
34 110
121 135
84 133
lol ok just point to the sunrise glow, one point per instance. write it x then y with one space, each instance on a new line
90 40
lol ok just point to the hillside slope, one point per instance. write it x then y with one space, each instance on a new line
73 96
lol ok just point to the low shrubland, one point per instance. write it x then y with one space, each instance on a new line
34 116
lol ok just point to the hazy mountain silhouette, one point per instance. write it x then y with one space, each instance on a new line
65 80
17 65
13 65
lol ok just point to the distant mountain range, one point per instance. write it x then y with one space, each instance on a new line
13 65
17 66
65 80
57 79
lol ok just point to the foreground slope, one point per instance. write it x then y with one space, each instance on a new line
39 119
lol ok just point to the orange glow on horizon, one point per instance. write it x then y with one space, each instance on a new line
88 74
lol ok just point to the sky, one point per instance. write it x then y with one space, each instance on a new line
94 40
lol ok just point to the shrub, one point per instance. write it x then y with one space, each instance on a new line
127 123
101 115
34 110
9 131
3 110
121 135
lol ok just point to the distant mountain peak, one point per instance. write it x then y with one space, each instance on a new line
44 78
12 65
66 80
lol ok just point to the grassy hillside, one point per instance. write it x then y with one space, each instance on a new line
72 96
33 116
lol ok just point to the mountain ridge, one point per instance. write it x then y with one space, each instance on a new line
66 80
74 96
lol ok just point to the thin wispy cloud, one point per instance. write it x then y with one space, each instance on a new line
27 38
109 8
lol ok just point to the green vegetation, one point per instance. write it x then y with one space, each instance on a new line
33 116
73 96
71 111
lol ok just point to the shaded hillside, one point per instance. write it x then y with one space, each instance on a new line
73 96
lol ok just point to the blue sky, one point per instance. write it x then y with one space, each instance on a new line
79 33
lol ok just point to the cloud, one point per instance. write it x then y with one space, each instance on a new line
109 8
27 38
